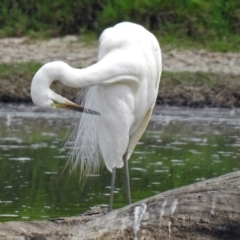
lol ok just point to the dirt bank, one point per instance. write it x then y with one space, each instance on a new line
190 78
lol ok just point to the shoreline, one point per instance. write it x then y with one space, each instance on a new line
194 78
176 89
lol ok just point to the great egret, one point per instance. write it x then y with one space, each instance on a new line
122 90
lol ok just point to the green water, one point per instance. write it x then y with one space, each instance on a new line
181 146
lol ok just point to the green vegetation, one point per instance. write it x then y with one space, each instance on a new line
22 70
188 23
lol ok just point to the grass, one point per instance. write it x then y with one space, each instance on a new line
169 42
214 25
22 70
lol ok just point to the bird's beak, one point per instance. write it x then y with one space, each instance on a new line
73 106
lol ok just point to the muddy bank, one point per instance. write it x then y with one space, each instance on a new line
190 78
176 89
200 90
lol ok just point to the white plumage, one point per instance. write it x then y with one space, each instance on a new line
122 87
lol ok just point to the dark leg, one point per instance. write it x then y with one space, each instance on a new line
127 183
112 190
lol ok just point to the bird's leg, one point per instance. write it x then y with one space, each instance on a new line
127 182
112 189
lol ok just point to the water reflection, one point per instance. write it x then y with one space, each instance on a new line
180 146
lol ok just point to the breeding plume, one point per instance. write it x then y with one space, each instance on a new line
121 92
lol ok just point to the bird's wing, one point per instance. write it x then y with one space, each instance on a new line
138 133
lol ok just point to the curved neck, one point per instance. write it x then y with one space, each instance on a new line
108 70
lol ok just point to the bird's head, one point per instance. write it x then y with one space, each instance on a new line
44 97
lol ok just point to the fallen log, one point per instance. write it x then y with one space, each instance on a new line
205 210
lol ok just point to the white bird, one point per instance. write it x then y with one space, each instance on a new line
122 91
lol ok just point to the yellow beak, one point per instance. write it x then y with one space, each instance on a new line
74 107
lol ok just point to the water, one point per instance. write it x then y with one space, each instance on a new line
181 146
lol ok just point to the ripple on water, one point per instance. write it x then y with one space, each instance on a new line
161 170
11 139
139 169
7 147
38 145
9 215
156 163
226 154
21 159
177 162
178 143
60 157
49 134
193 151
135 179
156 183
6 202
